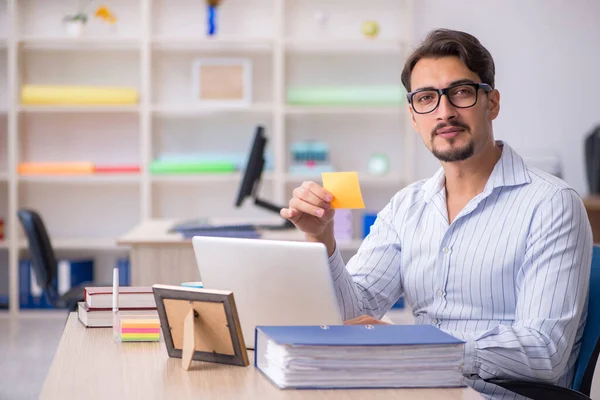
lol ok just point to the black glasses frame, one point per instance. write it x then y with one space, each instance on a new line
484 86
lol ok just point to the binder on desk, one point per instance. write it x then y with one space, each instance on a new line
356 356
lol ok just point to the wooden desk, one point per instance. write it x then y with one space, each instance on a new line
89 365
592 206
159 256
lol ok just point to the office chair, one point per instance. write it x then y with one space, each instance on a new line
588 354
43 261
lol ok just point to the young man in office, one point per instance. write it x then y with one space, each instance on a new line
488 250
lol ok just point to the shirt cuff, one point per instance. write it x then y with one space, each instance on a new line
336 262
471 366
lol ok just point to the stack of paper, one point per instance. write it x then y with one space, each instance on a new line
140 329
359 356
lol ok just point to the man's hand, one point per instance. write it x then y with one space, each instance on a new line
310 211
365 320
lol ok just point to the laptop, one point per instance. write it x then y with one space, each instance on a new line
273 282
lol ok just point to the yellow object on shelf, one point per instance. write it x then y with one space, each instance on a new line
77 95
104 13
56 168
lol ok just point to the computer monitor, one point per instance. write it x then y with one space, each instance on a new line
250 184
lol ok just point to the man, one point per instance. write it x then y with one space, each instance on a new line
488 250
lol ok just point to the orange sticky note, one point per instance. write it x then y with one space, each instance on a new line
345 189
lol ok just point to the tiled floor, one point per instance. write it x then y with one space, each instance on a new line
27 346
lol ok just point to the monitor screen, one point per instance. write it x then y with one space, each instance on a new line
254 167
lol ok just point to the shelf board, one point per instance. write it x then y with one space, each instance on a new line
80 244
235 177
345 110
82 179
82 43
391 179
3 43
78 109
175 110
4 244
343 45
218 43
3 176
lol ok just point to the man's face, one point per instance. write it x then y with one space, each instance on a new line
449 132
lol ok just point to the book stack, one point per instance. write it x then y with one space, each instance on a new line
353 356
134 302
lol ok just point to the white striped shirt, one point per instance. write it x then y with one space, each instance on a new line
509 275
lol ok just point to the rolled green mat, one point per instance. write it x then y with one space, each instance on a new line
171 167
346 95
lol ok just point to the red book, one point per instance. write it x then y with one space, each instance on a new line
138 297
124 168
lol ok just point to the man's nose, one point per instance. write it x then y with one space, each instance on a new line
446 110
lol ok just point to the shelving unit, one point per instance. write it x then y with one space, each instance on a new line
152 49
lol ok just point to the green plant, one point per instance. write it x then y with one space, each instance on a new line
76 17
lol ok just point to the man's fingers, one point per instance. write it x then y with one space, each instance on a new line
318 191
310 197
305 207
291 214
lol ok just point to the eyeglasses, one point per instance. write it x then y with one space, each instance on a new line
463 95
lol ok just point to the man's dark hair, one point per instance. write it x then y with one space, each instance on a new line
446 42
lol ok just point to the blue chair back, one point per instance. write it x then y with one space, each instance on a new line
590 345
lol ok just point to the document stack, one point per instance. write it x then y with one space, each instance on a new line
354 356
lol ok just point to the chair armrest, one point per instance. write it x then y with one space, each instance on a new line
538 390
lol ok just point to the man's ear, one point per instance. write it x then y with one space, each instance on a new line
494 104
412 118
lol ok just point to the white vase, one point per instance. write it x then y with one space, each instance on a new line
74 28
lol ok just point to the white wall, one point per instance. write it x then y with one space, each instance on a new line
547 55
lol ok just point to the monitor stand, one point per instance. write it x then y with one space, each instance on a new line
272 207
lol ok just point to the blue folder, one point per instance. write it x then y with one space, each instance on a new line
357 335
440 356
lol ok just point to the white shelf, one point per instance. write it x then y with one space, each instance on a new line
364 178
345 110
82 43
203 43
104 178
235 177
78 109
344 45
153 50
80 244
174 110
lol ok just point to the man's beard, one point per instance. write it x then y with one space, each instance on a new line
455 154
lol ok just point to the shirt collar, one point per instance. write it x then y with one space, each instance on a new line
510 170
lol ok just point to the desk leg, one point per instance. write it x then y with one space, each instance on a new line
164 264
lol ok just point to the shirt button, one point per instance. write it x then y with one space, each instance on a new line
435 321
440 293
446 250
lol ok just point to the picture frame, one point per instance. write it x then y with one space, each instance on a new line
222 81
200 324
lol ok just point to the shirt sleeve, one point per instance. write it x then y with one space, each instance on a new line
371 281
552 288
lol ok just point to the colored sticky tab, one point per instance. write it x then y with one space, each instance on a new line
345 189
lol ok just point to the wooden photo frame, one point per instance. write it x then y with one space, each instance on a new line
222 81
200 324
